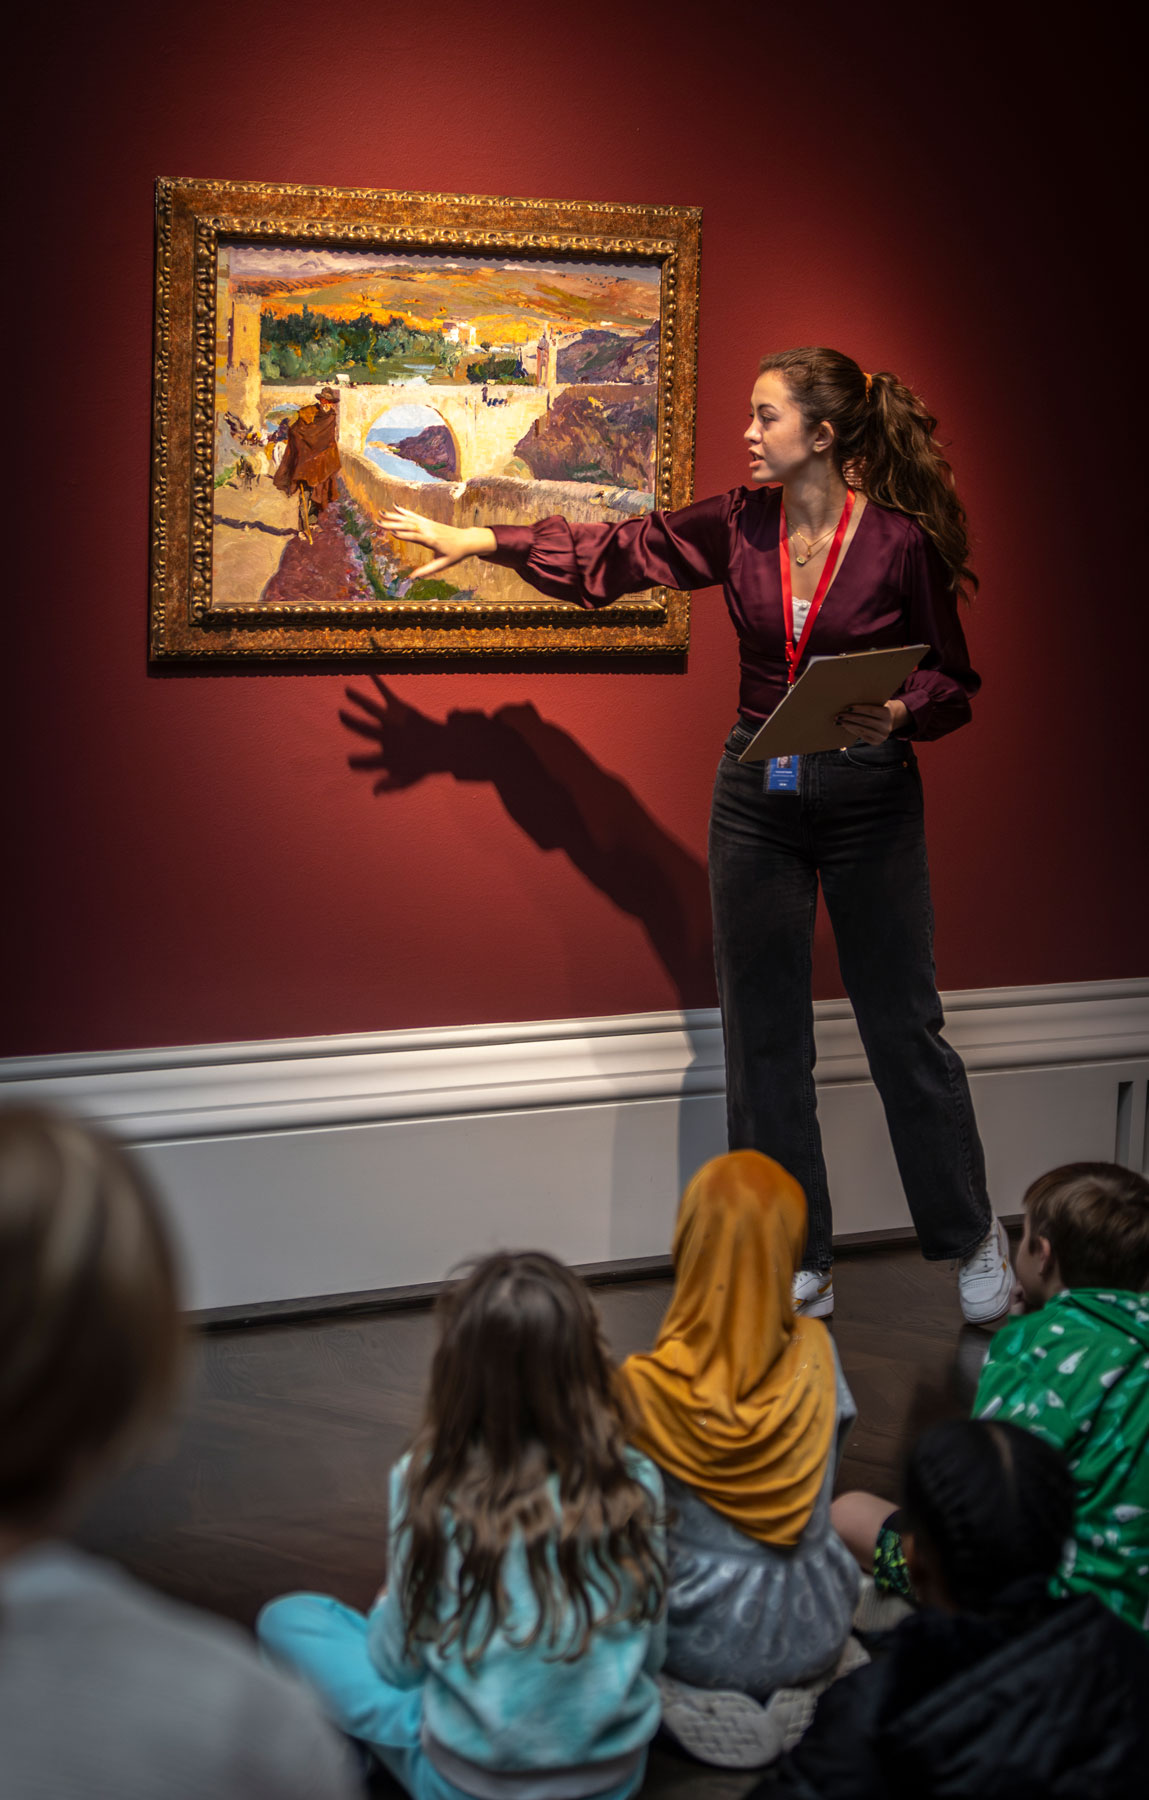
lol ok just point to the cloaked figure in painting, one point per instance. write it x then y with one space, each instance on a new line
310 462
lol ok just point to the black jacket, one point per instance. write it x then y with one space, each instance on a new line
1048 1700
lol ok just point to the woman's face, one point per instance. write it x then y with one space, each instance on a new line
780 441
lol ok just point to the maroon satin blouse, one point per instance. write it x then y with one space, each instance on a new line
891 588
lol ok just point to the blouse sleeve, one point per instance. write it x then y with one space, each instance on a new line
937 695
595 564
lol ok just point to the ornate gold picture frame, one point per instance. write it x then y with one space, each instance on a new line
322 354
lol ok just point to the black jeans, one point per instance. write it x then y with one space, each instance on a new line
856 822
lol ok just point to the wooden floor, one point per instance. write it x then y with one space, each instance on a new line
274 1476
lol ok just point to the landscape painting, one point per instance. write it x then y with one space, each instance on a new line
492 382
352 380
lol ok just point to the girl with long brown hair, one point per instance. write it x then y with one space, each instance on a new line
851 537
514 1649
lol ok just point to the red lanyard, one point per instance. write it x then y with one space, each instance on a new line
794 654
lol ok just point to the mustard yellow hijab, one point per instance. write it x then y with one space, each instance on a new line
737 1397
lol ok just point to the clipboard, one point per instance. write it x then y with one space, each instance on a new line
803 720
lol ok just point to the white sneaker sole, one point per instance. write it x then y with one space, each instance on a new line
819 1308
986 1318
730 1731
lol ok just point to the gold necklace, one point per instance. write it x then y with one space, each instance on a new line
810 543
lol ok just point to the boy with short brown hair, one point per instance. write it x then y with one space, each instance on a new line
1074 1368
1086 1226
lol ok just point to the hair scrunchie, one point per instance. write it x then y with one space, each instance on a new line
869 382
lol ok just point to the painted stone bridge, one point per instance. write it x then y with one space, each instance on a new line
485 423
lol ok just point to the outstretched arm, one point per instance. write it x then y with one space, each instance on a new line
592 564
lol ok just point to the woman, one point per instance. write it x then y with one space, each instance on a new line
853 511
744 1409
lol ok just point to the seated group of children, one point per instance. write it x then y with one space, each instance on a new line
578 1551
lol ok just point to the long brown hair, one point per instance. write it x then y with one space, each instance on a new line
90 1332
884 445
522 1391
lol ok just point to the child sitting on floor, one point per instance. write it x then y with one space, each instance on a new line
744 1408
1074 1369
106 1688
515 1647
994 1687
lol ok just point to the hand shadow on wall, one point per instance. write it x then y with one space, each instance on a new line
563 800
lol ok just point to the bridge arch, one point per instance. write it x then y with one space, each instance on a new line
414 416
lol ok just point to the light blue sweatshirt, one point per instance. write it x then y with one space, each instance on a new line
521 1707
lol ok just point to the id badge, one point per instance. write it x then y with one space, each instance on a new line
782 775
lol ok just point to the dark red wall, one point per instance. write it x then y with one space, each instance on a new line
937 194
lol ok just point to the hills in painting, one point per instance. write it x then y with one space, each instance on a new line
506 303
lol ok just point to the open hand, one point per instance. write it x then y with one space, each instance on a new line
873 724
450 544
407 744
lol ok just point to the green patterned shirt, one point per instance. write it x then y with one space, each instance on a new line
1077 1373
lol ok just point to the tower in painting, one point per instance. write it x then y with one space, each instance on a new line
237 324
547 358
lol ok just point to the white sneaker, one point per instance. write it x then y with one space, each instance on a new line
878 1612
985 1279
812 1293
731 1731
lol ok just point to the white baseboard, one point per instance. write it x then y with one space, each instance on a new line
309 1166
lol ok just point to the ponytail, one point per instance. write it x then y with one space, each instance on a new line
884 445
